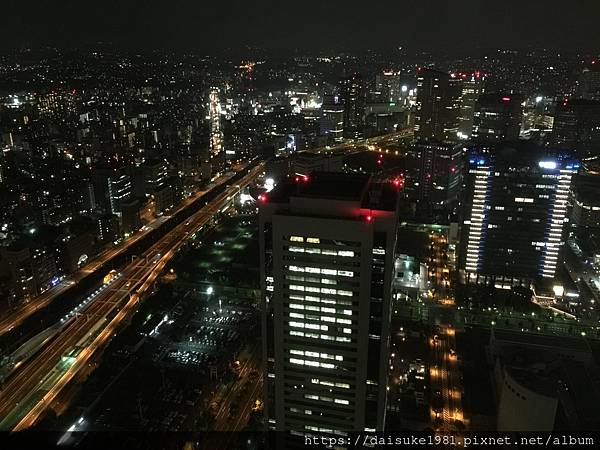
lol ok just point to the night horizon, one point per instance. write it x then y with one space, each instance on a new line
339 25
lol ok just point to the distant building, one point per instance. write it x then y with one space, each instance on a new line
577 126
76 249
327 265
164 198
438 105
130 216
303 163
388 83
588 84
331 123
108 228
515 206
586 201
32 271
472 88
440 168
497 118
352 92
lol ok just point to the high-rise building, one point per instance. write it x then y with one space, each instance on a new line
472 88
438 105
119 189
577 125
327 260
214 112
389 84
497 118
515 211
331 123
588 84
352 92
586 201
440 172
32 270
130 216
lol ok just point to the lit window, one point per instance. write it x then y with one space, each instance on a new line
296 239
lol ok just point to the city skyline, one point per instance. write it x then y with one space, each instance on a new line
223 225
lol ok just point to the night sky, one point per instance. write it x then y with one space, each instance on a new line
460 25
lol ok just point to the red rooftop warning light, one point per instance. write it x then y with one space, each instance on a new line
262 198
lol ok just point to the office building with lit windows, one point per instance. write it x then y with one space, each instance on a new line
327 256
515 211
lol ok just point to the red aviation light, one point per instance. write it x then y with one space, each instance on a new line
262 198
305 178
369 218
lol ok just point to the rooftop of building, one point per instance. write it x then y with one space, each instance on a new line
360 188
518 152
546 341
537 378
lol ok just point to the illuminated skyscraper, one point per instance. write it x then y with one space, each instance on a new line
216 134
472 88
332 118
119 189
327 256
515 211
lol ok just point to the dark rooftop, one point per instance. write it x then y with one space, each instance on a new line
338 186
324 185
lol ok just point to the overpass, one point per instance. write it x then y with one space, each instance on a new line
39 381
